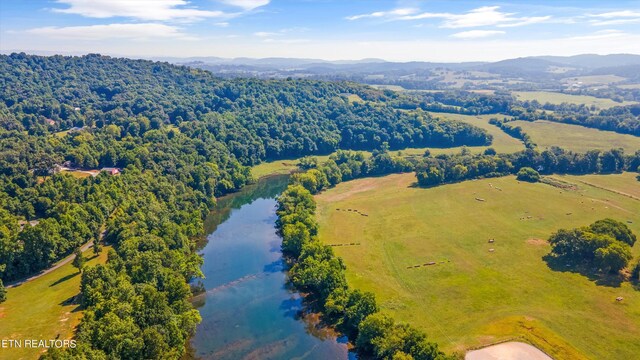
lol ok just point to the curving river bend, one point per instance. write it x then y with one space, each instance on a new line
248 312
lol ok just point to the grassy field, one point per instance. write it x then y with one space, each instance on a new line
594 79
576 137
624 184
502 142
44 308
476 297
559 98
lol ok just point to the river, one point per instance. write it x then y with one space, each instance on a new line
248 312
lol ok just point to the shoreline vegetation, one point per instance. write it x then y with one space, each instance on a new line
315 269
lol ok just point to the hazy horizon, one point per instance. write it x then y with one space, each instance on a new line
355 60
403 30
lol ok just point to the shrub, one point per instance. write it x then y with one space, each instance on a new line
528 174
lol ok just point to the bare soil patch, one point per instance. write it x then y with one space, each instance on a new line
508 351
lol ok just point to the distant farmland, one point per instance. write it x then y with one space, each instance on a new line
575 137
559 98
472 296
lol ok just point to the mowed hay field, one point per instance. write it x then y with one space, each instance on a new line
502 142
575 137
477 297
44 309
559 98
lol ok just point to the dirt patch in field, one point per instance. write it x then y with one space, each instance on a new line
536 242
2 313
509 350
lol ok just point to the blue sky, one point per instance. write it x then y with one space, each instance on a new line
402 30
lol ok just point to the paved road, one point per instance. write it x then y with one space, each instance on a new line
55 267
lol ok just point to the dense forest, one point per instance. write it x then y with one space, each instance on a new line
255 119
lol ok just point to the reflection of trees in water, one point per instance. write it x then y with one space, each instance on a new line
266 188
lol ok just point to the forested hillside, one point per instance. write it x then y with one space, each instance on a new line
256 119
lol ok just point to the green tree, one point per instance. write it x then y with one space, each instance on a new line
97 248
3 292
78 260
615 229
614 257
528 174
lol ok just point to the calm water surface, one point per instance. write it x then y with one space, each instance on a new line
247 310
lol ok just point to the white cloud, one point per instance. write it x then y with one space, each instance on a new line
247 4
111 31
380 14
526 21
286 41
621 17
158 10
617 14
221 24
482 16
602 34
477 34
264 34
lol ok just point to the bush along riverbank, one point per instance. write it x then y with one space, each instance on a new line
315 270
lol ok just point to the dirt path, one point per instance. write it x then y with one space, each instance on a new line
55 267
508 351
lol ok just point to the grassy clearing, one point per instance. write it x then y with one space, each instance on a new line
278 167
629 86
502 142
594 79
576 137
625 183
44 308
477 297
61 134
559 98
81 174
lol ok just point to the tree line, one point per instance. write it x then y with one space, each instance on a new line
314 269
446 168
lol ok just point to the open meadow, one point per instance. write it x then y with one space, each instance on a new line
474 296
575 137
559 98
26 314
502 142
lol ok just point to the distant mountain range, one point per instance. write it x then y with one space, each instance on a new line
534 68
586 61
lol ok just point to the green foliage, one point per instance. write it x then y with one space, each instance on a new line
603 244
3 292
635 273
616 229
78 259
528 174
253 119
347 165
613 257
441 169
381 337
317 271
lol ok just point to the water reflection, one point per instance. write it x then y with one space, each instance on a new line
247 310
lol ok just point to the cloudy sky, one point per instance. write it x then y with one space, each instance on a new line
402 30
